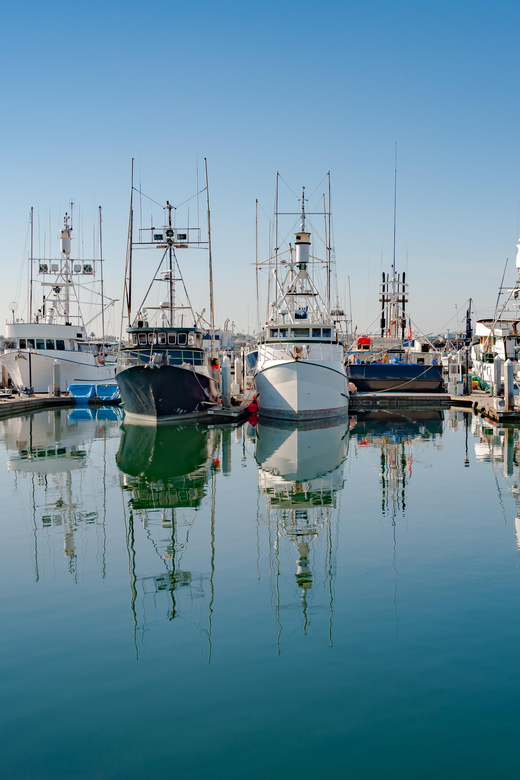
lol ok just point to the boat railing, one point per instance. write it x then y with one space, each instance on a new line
144 357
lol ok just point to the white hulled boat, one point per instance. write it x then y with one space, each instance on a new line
300 372
57 331
499 336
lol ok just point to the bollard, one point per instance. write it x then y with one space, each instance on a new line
226 383
509 385
56 378
497 376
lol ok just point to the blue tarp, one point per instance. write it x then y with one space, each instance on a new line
82 393
108 392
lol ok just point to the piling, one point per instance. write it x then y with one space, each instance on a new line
497 376
226 383
509 385
56 391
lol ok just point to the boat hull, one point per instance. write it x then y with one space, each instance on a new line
301 390
396 377
164 393
75 367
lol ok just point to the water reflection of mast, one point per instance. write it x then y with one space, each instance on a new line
164 470
300 472
47 448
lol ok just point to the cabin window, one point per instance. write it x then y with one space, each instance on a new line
326 333
142 338
172 338
191 339
301 333
40 343
161 338
133 339
274 333
283 333
152 338
22 343
30 343
60 344
316 333
49 344
181 339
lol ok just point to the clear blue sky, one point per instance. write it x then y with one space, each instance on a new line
298 87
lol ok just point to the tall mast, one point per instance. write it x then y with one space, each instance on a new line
101 272
31 268
65 247
210 261
275 236
170 258
329 248
395 208
256 267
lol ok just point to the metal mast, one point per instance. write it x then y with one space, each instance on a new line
171 267
31 268
210 261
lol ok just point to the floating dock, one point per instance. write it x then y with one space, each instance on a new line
15 404
364 401
479 401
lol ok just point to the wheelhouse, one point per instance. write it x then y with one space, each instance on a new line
164 338
305 332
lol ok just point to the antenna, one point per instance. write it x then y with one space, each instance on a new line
395 207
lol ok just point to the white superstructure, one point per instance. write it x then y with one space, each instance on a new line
300 372
56 332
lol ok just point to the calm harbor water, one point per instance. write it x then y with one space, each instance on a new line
259 602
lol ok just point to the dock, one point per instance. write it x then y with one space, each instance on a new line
479 401
370 400
15 404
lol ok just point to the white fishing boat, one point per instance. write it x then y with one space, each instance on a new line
300 372
57 331
499 335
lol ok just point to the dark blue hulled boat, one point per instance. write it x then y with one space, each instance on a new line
164 373
396 377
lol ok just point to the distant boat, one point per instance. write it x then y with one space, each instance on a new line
393 360
56 332
163 372
300 373
499 336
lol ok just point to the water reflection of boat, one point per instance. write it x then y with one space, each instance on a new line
47 454
300 473
395 434
166 470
